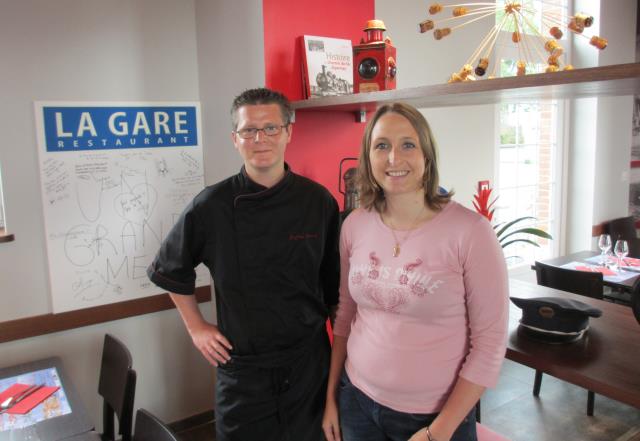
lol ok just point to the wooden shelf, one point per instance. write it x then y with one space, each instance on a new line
614 80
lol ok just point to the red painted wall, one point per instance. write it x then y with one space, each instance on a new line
320 139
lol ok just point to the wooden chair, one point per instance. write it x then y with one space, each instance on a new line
578 282
150 428
624 228
117 387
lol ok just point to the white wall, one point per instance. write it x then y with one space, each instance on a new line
614 116
231 59
600 145
117 50
465 135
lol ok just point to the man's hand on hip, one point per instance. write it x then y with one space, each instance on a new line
206 337
211 343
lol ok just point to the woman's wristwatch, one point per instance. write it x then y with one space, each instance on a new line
429 436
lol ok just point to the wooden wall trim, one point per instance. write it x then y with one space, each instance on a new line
597 230
49 323
6 237
207 417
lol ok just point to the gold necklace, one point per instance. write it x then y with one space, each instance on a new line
396 247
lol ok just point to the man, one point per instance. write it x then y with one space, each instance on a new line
270 240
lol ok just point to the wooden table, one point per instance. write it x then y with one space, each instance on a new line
606 360
625 285
59 427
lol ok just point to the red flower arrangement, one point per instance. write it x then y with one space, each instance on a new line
482 204
506 232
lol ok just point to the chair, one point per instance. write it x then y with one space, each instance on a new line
578 282
635 300
117 387
150 428
624 228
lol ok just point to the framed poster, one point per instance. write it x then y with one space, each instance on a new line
114 178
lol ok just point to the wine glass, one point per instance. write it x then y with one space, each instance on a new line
604 243
621 250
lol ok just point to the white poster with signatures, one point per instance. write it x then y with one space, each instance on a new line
115 177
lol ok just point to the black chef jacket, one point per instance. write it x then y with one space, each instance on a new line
272 253
273 256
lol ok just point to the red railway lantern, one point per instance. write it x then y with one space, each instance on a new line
374 66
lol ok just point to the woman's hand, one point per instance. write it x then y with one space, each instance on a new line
330 421
420 435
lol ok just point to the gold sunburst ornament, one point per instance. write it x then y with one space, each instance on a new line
533 42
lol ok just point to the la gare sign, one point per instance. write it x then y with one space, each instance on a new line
98 127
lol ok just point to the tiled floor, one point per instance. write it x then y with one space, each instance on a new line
559 414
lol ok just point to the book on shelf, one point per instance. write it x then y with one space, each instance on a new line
327 66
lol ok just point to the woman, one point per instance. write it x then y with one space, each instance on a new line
421 327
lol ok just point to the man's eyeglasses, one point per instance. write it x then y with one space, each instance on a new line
251 132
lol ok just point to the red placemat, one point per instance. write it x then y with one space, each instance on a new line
29 402
596 269
630 261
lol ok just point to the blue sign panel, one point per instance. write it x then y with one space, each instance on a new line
112 128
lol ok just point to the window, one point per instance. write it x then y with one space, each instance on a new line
528 184
529 146
537 15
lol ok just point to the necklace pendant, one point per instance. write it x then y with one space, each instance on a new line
396 250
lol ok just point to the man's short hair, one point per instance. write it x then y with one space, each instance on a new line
261 95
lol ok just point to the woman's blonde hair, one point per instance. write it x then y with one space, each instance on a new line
369 191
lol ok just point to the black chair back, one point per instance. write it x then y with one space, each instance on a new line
117 387
578 282
635 300
624 228
150 428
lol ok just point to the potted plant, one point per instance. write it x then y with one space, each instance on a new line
509 232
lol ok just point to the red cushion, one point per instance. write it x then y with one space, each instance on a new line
486 434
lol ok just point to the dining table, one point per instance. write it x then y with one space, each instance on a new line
618 279
606 360
59 416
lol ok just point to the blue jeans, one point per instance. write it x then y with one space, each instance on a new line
362 419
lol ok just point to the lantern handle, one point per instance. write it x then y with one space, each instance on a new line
340 174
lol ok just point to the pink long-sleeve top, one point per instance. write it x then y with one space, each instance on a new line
417 321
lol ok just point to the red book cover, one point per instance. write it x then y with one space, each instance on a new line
306 91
